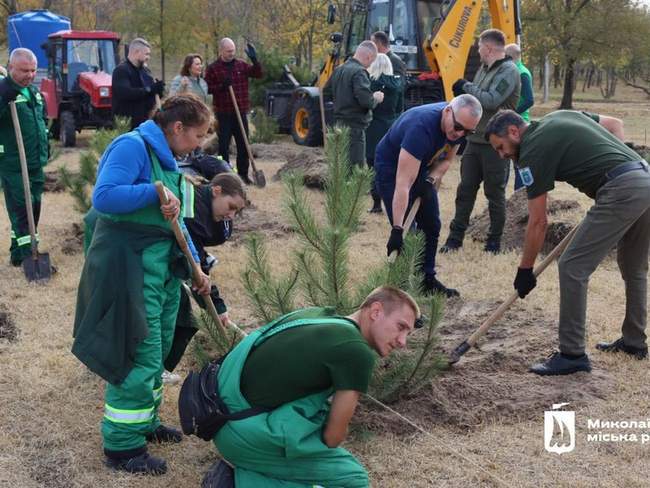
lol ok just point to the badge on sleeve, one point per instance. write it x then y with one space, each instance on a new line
526 175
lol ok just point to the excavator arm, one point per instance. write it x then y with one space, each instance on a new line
447 46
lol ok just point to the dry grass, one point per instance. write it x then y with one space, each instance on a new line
51 406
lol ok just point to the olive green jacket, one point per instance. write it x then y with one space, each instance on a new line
32 116
349 87
496 87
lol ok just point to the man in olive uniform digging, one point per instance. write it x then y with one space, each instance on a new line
581 149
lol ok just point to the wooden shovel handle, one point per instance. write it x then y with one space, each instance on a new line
241 128
182 242
498 313
407 224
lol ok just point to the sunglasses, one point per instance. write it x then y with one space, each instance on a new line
459 127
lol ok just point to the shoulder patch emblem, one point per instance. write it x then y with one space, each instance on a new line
526 176
503 87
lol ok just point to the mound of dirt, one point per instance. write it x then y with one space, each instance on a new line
8 329
311 162
517 219
641 150
253 219
52 182
492 382
275 152
73 240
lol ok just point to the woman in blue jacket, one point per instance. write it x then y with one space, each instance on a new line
126 313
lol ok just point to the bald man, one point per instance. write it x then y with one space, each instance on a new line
17 87
223 73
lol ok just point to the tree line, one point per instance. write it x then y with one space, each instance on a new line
575 44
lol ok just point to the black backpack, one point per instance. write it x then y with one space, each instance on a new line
201 409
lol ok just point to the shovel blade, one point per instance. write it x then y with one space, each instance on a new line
259 178
38 269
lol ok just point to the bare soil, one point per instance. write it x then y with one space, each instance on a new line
310 162
517 219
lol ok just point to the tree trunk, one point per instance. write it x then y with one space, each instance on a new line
569 79
547 78
556 75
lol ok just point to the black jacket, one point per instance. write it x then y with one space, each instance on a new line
130 96
204 231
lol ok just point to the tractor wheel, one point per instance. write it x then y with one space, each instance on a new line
67 129
306 124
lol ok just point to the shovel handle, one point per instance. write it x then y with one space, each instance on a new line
407 224
182 242
25 175
498 313
241 128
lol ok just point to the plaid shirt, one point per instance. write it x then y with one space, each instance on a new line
238 71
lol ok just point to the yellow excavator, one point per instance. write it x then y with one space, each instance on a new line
435 38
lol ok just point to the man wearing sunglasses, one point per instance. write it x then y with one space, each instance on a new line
410 160
496 85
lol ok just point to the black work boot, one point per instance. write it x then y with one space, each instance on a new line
135 461
431 285
451 245
376 205
559 364
220 475
165 434
619 346
493 246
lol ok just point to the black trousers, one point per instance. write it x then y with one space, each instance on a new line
229 127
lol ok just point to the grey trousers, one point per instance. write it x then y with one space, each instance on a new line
620 217
357 147
481 163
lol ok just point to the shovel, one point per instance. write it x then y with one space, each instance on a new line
463 347
37 266
258 175
182 243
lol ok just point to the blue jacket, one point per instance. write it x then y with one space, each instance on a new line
124 175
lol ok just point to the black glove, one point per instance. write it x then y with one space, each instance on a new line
396 240
459 87
525 281
423 189
10 94
251 52
158 88
218 302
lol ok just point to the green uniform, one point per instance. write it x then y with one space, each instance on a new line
131 407
569 146
523 72
284 448
496 87
349 86
30 106
399 69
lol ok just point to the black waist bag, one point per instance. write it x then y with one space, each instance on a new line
201 409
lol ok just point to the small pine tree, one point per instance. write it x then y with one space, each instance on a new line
80 184
266 128
319 275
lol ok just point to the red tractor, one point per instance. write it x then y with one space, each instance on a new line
77 88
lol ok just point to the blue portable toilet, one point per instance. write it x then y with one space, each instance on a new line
30 29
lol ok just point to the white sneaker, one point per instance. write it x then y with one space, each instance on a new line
170 378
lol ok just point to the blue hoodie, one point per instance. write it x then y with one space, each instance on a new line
124 174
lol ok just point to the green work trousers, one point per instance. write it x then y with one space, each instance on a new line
12 186
282 448
481 163
131 407
620 217
357 147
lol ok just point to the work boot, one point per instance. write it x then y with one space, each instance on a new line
165 434
431 285
220 475
376 206
493 246
619 346
451 245
559 364
144 463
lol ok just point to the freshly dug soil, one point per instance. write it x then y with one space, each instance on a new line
517 219
253 219
491 382
8 329
311 162
275 152
52 182
72 241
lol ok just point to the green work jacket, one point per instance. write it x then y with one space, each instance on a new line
32 116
